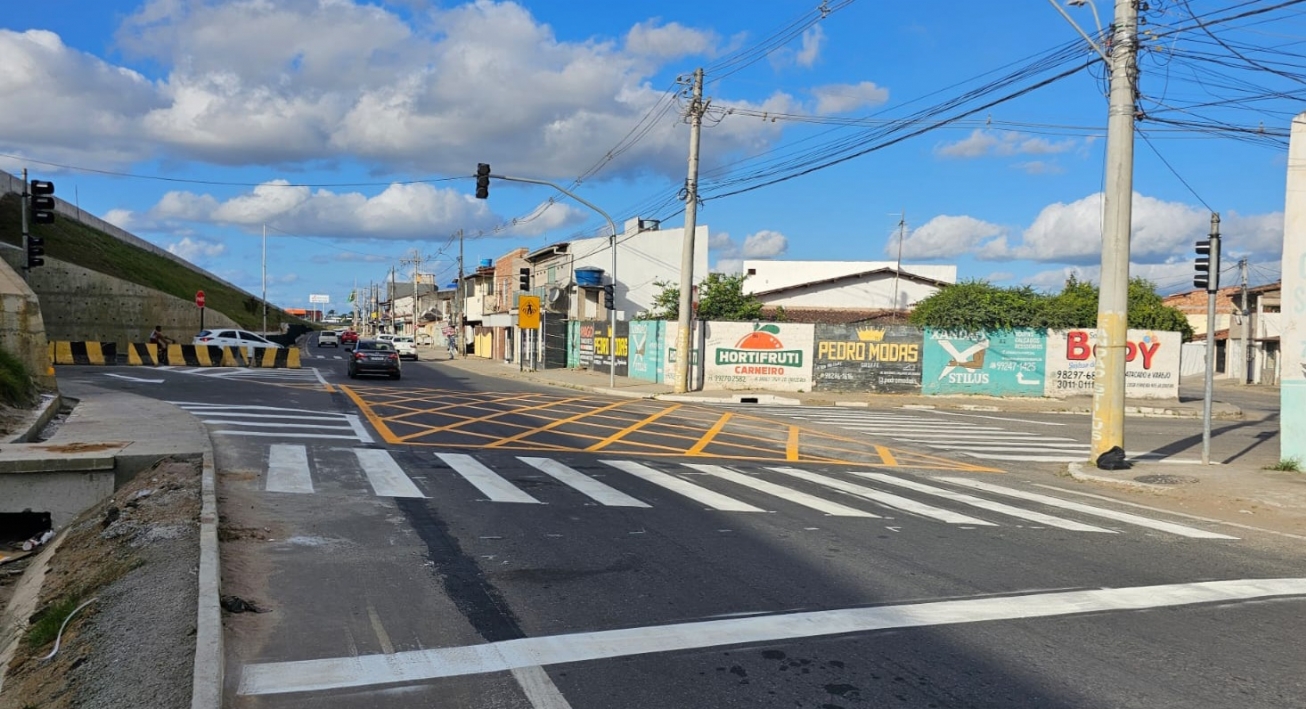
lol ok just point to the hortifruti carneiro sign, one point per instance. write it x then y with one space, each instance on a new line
1151 363
775 356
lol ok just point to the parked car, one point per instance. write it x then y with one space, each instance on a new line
405 346
373 357
233 338
328 338
385 337
348 337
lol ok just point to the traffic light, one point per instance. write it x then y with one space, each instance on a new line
524 279
42 202
1207 265
482 181
35 250
610 297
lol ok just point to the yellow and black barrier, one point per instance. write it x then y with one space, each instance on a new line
83 352
140 353
205 356
276 357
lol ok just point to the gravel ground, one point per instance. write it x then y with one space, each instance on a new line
138 555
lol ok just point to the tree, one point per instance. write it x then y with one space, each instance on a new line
978 305
666 304
722 297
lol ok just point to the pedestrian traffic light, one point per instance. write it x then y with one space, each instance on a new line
1207 265
482 181
42 197
524 279
610 297
35 250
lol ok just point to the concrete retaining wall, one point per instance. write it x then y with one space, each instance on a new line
22 328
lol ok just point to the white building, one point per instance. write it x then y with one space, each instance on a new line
844 285
646 254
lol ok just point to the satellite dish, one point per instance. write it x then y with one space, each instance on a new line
555 295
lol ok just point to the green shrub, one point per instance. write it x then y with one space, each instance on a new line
16 385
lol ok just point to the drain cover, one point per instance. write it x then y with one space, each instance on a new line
1165 479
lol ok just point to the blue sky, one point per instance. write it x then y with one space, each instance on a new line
351 129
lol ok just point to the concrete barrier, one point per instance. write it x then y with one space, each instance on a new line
141 353
205 356
84 352
279 358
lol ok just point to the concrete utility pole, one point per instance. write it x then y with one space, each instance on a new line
1113 302
897 267
1245 318
1209 384
265 278
459 299
685 313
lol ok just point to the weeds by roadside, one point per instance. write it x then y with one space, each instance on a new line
1289 465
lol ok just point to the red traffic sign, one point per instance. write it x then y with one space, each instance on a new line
199 298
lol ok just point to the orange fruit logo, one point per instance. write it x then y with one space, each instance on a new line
763 338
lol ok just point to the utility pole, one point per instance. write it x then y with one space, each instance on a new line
1246 319
1211 293
265 279
1108 428
459 300
390 296
897 269
683 350
24 199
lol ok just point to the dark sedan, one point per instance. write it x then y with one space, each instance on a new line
374 357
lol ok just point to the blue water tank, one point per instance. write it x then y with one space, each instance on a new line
589 276
487 263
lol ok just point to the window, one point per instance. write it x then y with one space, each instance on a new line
553 274
752 271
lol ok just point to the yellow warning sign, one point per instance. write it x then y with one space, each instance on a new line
528 312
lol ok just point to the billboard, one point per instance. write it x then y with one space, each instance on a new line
992 363
775 356
1151 363
868 358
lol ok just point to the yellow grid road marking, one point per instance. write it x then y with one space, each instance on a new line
886 455
551 426
386 434
791 446
711 433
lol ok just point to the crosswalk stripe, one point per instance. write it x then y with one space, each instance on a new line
1125 517
268 424
385 475
924 429
983 504
288 469
495 488
885 498
715 500
800 498
1013 437
1047 446
584 484
240 414
1069 457
278 434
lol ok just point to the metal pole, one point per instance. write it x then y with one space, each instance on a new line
1210 340
1113 302
265 279
23 209
685 312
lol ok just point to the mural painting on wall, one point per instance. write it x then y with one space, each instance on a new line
585 345
1151 363
755 356
670 358
646 349
604 343
867 358
994 363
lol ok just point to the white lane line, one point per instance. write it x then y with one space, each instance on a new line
998 418
192 405
1171 512
495 488
1050 501
359 430
582 483
238 414
800 498
715 500
385 475
1067 458
277 434
885 498
983 504
269 424
316 373
288 469
539 688
507 655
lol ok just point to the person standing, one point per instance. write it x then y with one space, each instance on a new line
451 340
160 342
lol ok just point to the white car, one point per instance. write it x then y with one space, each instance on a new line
404 345
234 338
328 337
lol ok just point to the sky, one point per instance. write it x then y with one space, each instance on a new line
957 131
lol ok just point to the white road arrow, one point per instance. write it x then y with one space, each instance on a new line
135 379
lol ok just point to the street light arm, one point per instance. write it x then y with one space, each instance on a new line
1082 33
611 225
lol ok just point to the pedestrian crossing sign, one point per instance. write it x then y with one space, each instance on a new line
528 312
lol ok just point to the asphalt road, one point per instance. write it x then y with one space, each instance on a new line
424 555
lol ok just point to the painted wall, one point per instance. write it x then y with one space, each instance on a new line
995 363
646 348
868 358
1152 363
773 356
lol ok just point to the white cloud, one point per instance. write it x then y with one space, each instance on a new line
983 142
728 254
1039 167
764 244
813 38
841 98
729 266
196 250
670 41
945 237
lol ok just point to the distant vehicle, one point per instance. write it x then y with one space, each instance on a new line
405 346
385 337
328 337
233 338
348 337
373 357
424 338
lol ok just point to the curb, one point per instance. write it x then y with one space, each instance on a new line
1076 471
49 408
206 684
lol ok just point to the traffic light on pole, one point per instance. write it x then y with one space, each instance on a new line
35 250
42 202
524 279
482 181
610 297
1207 265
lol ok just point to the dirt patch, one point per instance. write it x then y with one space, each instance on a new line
83 447
137 555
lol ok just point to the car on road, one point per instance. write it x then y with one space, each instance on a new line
328 338
405 346
373 357
233 338
348 337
